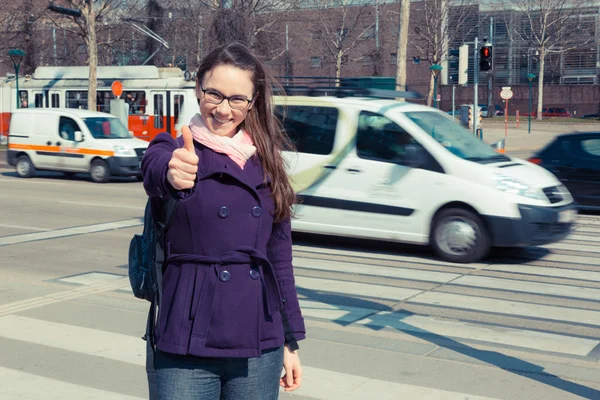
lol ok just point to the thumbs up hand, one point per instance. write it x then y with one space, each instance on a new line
184 163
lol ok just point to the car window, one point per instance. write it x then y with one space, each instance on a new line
67 128
378 138
311 129
591 146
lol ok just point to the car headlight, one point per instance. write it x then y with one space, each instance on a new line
122 151
509 184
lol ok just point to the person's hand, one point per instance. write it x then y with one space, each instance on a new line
184 163
293 370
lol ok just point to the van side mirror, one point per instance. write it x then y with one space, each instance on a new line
78 136
416 156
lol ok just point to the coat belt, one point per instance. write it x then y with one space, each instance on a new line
241 255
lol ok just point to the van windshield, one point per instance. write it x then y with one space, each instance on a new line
454 137
106 128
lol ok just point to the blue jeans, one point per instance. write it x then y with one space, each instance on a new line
195 378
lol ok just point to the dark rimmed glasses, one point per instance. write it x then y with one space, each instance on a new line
236 102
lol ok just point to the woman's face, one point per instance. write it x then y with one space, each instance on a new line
222 119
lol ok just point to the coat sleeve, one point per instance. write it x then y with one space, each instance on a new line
279 252
155 165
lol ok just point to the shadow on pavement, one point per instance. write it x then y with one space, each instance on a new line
510 364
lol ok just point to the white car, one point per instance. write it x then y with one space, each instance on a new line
366 167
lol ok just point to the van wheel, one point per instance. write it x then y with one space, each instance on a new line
25 168
459 235
100 171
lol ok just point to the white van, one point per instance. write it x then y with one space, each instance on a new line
72 141
399 171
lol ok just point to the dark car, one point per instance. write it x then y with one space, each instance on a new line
575 159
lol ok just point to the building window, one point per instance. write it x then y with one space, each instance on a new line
393 58
368 33
315 62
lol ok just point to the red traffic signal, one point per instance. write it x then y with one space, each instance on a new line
485 58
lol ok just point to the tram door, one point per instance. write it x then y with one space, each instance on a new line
159 110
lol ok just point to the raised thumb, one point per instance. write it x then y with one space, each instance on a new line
188 139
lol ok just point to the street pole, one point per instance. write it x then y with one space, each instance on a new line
435 91
529 123
17 81
16 56
475 83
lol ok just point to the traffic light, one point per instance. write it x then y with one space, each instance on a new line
485 58
478 119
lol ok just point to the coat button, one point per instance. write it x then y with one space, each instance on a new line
256 210
254 274
224 276
223 212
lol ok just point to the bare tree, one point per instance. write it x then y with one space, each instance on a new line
442 21
550 27
86 18
339 25
402 48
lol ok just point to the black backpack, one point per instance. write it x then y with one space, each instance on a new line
146 261
146 251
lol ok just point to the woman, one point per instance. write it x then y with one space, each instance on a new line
229 316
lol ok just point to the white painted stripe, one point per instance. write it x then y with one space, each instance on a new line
34 182
25 227
79 203
573 247
93 342
370 269
512 308
317 383
546 271
592 228
323 384
491 334
335 313
80 291
80 230
353 288
584 238
548 289
20 385
379 256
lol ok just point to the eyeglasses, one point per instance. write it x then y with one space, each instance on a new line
235 102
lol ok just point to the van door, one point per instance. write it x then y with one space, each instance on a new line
373 191
72 153
158 120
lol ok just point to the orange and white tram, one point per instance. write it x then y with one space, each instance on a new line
155 95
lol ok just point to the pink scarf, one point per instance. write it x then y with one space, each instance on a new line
239 147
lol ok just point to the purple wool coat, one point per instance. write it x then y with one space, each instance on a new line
229 276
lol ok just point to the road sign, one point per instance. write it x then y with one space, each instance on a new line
438 97
506 94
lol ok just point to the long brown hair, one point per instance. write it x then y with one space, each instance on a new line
264 128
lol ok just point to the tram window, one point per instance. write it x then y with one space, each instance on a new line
177 105
55 97
103 98
77 99
39 100
158 111
24 97
136 100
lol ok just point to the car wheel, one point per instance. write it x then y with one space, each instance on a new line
459 235
100 171
25 168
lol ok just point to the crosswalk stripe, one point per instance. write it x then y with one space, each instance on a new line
573 247
324 384
457 330
20 385
370 269
512 308
301 250
547 289
355 288
571 259
583 238
317 383
545 271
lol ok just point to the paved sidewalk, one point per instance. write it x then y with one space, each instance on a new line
518 139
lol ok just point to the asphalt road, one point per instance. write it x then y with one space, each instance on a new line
384 321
